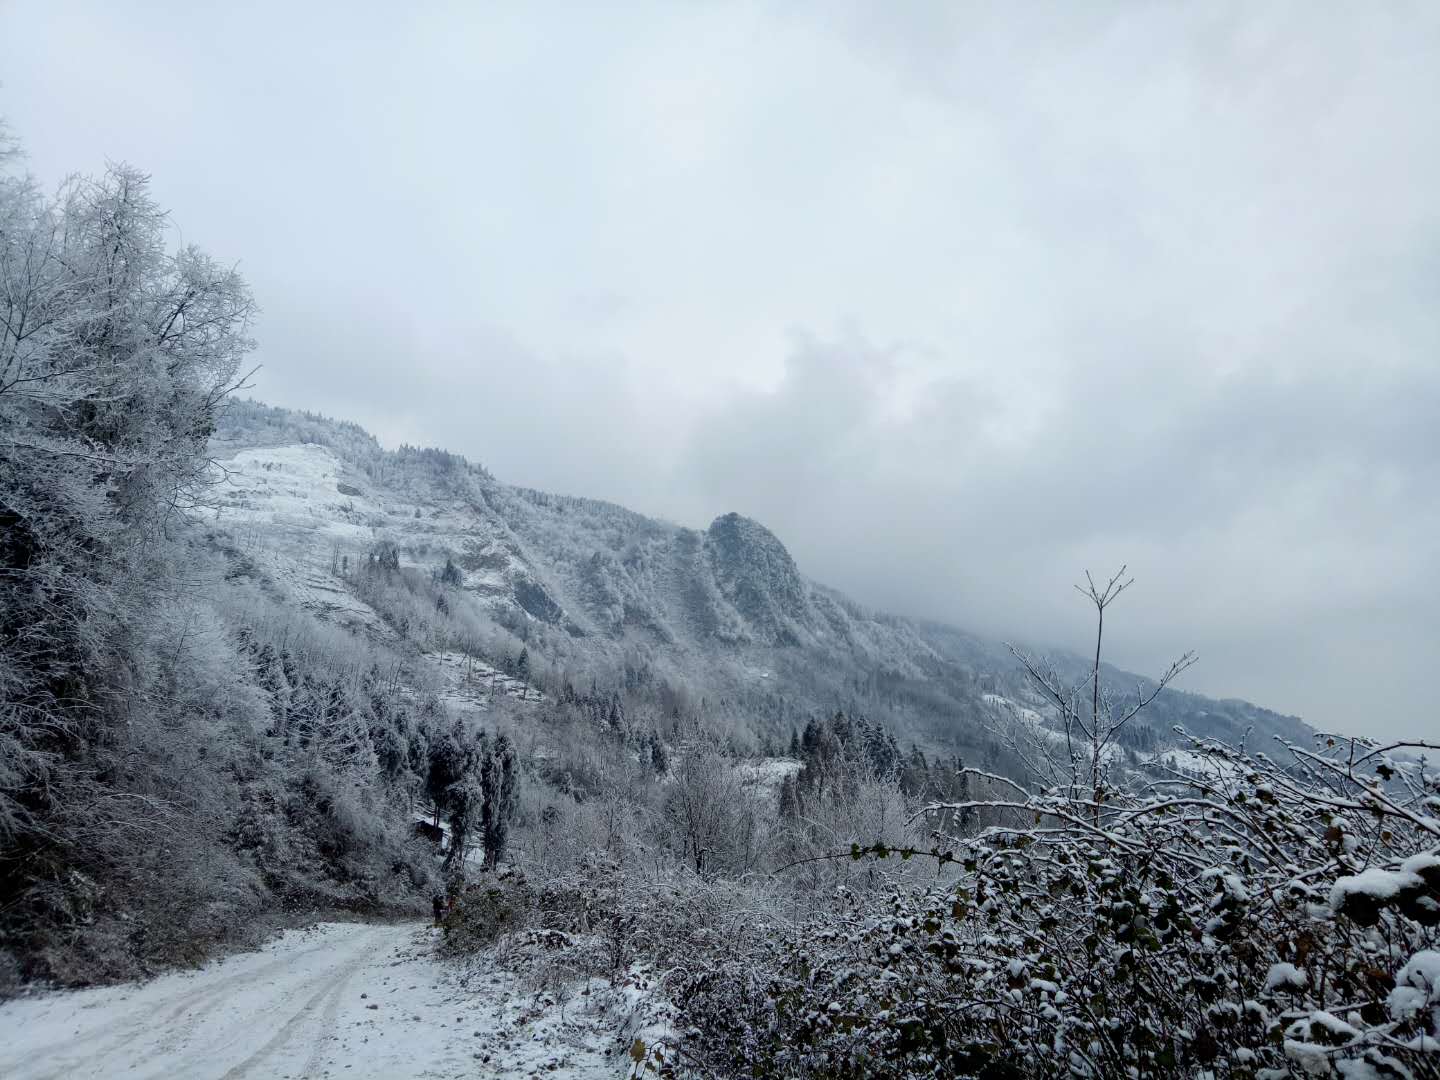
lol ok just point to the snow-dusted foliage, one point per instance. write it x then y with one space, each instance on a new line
179 752
114 357
1271 921
1277 916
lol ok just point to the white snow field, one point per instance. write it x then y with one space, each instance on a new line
337 1000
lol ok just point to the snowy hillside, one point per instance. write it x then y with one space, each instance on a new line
592 587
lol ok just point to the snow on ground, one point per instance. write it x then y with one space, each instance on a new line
1013 708
337 1000
314 588
293 512
304 501
1034 726
471 683
1196 763
304 520
285 508
296 487
768 772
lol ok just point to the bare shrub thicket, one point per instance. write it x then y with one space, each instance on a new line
1253 914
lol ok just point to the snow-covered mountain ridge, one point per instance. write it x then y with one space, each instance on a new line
592 588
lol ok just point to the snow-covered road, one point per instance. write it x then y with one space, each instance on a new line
336 1000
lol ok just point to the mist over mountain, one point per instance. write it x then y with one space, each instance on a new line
694 637
591 589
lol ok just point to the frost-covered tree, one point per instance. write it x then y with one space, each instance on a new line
115 356
699 803
454 757
497 779
1091 718
472 782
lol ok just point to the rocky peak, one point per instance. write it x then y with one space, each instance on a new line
757 576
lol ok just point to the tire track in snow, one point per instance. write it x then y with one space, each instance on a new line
292 1026
175 1020
368 1002
139 1019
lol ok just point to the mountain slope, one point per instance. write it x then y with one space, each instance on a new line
595 591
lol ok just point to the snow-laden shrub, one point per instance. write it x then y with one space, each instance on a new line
1259 915
491 906
1272 917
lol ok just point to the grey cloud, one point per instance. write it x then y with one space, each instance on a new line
959 299
1279 527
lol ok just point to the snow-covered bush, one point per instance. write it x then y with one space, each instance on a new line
1260 915
486 909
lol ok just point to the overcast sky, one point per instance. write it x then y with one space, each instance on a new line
958 299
